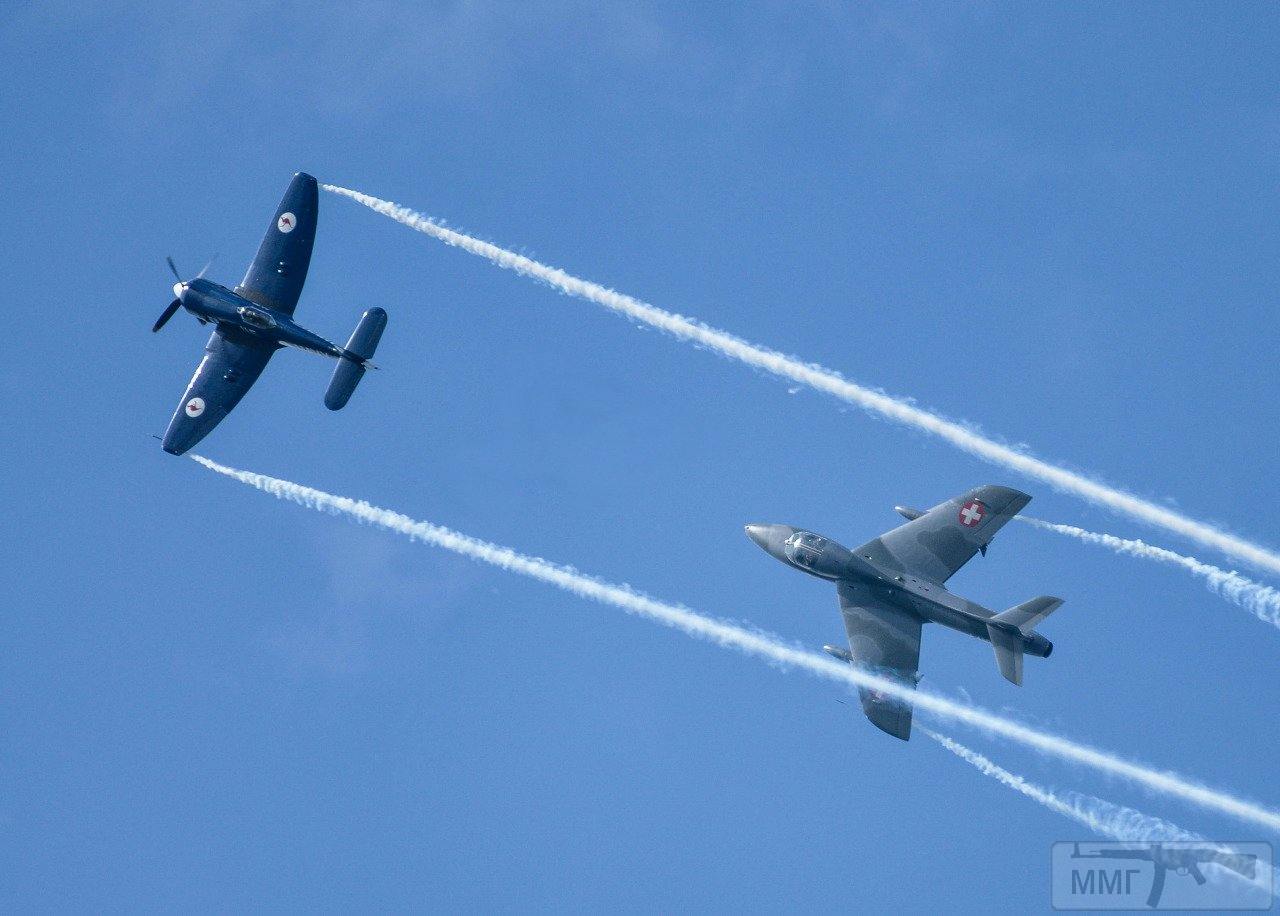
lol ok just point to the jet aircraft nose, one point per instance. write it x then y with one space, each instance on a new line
770 538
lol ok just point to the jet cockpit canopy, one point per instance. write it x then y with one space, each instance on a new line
804 548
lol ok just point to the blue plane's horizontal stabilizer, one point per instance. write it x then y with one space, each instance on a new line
359 349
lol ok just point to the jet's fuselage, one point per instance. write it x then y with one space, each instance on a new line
826 559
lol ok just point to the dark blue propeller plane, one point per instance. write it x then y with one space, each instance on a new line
255 320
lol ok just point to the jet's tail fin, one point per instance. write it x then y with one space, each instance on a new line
356 355
1012 634
1025 616
1009 653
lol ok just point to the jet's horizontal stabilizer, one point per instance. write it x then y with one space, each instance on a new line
1025 616
358 351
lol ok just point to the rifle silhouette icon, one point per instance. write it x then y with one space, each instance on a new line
1185 860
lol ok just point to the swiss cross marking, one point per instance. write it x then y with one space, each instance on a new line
972 513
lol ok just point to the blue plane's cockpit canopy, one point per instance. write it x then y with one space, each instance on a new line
255 320
256 317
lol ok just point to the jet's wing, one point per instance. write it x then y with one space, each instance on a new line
277 273
229 368
946 537
885 640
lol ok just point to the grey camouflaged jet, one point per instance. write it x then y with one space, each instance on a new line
892 585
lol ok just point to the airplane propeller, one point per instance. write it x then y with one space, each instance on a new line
178 288
166 315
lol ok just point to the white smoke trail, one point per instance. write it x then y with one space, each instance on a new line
830 382
756 644
1262 601
1104 818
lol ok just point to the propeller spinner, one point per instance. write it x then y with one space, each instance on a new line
178 289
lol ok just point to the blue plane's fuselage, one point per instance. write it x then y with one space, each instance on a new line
232 312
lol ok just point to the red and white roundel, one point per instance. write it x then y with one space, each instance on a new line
972 513
195 407
286 222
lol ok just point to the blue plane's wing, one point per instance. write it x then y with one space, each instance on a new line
229 369
277 273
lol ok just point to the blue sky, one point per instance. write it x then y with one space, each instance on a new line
1058 224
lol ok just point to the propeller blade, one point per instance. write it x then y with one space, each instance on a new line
176 275
166 315
206 266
